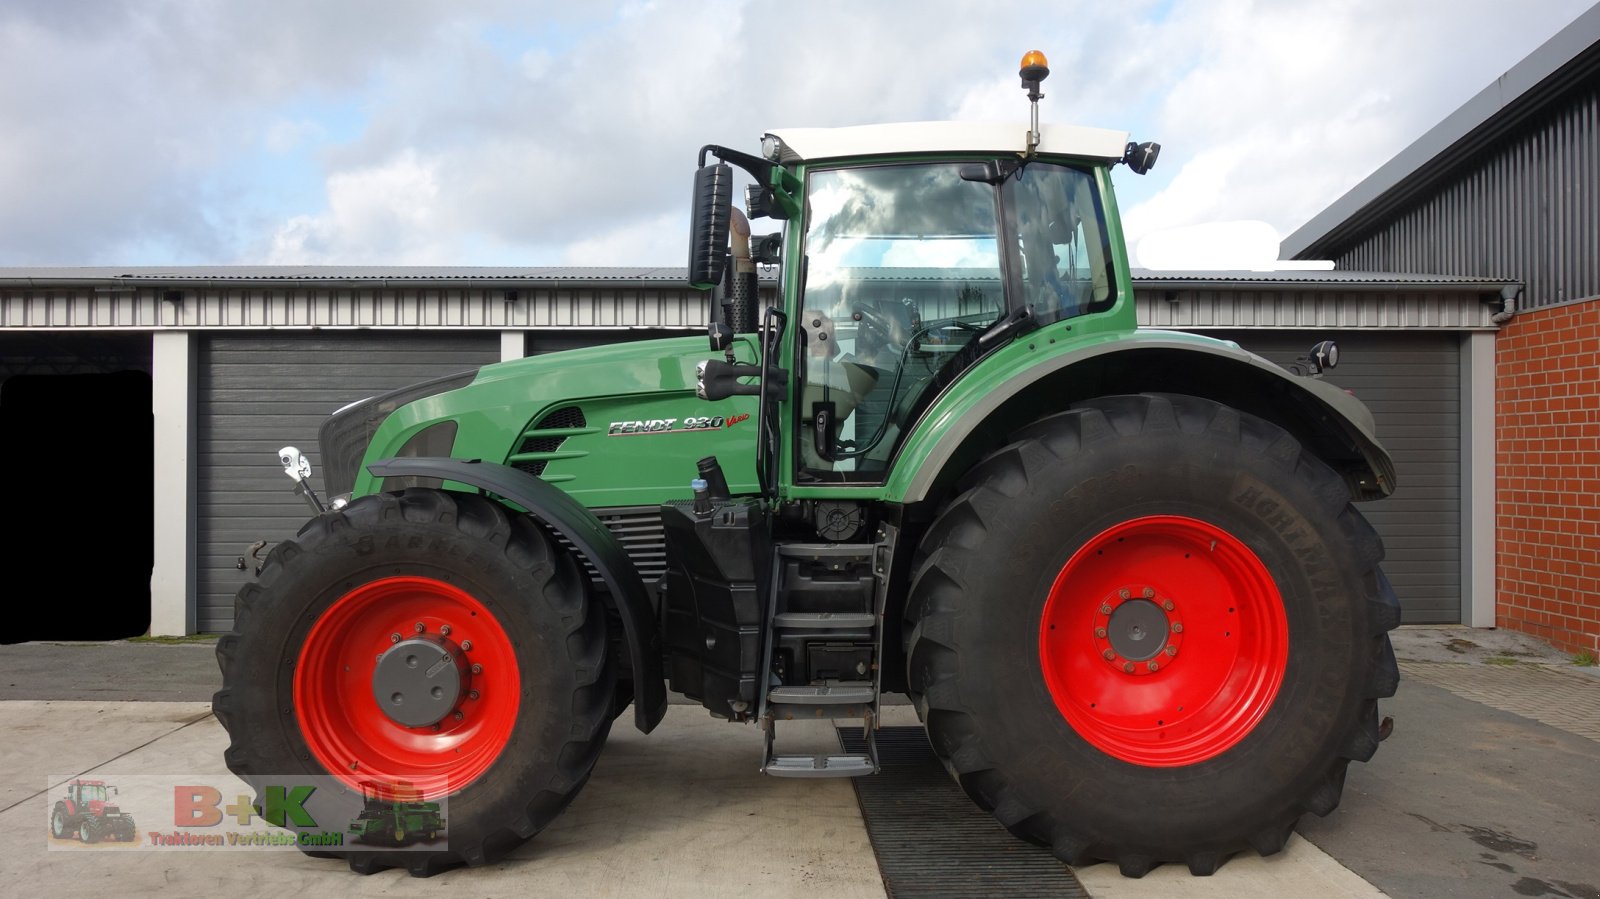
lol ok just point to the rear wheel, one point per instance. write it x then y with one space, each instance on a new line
429 641
1206 632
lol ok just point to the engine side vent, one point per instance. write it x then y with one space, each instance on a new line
545 437
643 538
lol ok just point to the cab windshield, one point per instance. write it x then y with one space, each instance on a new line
905 266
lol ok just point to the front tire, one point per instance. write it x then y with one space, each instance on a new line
1151 629
60 827
458 576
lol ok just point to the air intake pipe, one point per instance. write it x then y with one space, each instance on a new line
739 306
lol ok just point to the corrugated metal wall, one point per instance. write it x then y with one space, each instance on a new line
1526 207
1412 384
207 306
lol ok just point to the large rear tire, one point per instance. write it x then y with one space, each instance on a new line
532 704
1151 629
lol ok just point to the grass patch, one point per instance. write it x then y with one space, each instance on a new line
173 641
1500 660
1585 659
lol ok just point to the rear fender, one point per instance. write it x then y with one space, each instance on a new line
979 413
564 515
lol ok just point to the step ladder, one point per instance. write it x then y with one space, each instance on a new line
830 699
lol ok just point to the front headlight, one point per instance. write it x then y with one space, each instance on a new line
346 434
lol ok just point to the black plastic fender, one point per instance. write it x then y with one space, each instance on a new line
567 517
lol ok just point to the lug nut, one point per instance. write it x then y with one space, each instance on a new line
472 694
444 631
419 627
477 669
1100 632
1152 665
1172 651
466 645
1128 667
1124 593
1167 605
394 638
1149 593
1105 608
436 728
1109 654
1177 627
458 716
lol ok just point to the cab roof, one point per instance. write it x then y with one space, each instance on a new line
813 144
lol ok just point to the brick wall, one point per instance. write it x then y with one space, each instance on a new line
1547 427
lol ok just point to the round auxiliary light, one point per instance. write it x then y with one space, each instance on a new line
1034 66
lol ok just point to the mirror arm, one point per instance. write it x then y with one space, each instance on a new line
759 169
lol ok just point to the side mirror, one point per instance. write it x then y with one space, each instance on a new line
708 224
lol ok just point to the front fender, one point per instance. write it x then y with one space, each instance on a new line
1039 374
567 517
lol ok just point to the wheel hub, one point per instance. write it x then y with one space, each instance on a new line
1137 630
418 682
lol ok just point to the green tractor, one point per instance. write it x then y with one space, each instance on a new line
1118 572
395 815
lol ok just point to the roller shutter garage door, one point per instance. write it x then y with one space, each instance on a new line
258 393
1412 384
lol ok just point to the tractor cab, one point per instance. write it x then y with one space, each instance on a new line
908 253
89 794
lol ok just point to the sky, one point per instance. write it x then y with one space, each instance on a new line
525 133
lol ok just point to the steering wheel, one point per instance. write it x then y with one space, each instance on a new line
885 330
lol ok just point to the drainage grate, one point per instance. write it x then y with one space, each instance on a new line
929 837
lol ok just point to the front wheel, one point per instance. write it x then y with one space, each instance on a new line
431 642
60 828
1205 628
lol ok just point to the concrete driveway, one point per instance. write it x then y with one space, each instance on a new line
1466 799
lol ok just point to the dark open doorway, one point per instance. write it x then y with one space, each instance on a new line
76 440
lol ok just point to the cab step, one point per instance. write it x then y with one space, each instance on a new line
825 621
833 693
821 766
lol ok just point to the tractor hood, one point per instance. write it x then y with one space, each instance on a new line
612 425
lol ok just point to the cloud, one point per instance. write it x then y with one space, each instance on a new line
385 214
441 131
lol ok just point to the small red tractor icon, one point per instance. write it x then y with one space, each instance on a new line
88 814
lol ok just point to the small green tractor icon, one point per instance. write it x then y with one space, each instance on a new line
88 813
394 814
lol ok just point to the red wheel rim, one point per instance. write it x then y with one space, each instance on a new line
341 720
1164 641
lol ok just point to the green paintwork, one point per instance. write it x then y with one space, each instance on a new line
644 380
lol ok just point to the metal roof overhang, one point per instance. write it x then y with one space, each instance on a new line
356 297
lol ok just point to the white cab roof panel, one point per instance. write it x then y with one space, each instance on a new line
812 144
